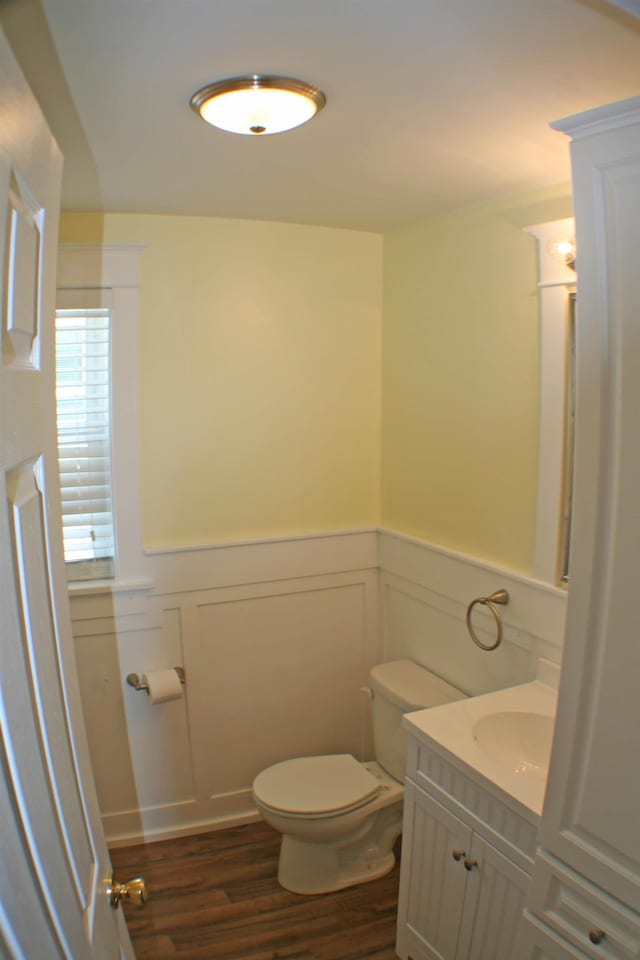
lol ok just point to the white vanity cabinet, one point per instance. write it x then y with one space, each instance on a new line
585 896
466 863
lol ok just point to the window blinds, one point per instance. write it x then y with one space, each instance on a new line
83 407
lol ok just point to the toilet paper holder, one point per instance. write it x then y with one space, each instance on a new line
134 680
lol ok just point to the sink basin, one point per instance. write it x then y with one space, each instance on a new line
519 741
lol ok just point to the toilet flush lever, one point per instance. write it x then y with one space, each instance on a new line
368 691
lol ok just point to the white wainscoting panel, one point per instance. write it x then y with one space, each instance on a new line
140 753
276 638
185 569
424 592
279 672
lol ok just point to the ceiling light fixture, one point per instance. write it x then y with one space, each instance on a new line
257 105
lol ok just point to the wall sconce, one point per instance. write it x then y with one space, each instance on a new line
563 250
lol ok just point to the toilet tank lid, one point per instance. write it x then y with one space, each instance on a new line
410 686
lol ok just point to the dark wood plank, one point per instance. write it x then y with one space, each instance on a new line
215 896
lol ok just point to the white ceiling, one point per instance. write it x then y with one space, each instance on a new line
431 104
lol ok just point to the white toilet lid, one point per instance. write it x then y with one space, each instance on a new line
315 785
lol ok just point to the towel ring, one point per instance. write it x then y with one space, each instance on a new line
500 596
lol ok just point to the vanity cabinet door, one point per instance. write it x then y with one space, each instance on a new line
494 899
460 899
432 884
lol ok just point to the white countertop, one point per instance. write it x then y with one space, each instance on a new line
451 731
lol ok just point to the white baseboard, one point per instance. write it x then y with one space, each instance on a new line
130 827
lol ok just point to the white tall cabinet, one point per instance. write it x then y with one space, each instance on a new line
585 895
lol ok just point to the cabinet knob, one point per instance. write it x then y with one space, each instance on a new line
470 864
459 854
596 936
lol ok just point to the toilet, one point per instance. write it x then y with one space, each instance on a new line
340 818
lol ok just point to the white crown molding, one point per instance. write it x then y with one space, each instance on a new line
591 123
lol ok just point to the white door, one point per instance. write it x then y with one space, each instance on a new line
53 859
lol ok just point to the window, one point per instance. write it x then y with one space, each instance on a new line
102 281
83 407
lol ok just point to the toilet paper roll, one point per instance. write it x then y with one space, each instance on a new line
163 685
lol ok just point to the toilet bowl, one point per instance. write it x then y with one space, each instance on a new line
339 820
339 817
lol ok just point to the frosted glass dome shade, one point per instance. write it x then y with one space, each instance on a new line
256 105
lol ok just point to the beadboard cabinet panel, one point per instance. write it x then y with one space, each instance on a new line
432 881
494 900
460 897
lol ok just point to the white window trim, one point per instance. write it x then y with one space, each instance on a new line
556 281
116 268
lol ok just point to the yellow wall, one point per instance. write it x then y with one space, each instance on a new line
275 401
260 376
461 379
82 227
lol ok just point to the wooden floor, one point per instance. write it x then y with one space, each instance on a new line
215 895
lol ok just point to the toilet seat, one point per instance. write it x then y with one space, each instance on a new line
315 786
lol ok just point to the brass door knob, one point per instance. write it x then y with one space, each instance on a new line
470 864
596 936
134 891
458 854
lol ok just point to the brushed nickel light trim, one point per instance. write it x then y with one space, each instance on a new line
256 122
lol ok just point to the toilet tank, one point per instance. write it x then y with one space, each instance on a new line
397 688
